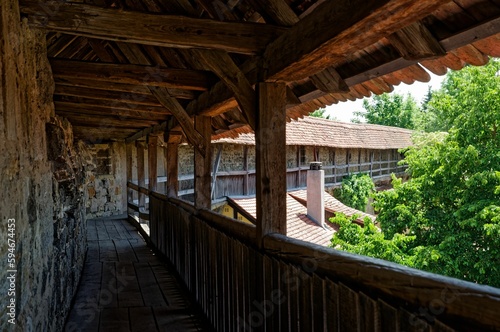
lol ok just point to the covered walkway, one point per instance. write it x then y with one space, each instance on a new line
125 287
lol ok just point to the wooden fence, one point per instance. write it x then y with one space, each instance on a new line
238 183
283 284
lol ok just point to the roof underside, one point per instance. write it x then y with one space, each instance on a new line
126 68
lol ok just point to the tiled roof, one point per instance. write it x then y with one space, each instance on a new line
313 131
299 226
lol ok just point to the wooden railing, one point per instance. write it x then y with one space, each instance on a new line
283 284
242 182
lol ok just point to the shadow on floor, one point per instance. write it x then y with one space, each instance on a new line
125 287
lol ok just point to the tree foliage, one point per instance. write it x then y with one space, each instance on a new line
320 113
390 110
446 218
355 191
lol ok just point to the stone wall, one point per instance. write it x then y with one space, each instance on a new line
105 180
42 185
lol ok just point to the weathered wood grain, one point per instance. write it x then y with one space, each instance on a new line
149 29
416 42
270 159
131 74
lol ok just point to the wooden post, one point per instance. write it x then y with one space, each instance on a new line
140 172
202 164
270 139
153 162
130 192
359 161
215 170
348 162
245 168
371 164
172 156
297 181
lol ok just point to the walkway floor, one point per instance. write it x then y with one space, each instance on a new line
125 287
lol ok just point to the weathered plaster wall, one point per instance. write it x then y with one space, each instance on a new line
41 184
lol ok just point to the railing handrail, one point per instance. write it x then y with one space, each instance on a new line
463 299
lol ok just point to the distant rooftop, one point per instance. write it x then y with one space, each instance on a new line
312 131
299 225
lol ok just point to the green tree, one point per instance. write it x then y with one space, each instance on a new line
355 191
448 214
390 110
320 113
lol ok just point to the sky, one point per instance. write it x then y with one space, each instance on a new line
343 111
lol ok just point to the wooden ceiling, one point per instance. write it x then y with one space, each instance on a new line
127 68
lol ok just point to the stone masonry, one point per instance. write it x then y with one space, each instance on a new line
42 179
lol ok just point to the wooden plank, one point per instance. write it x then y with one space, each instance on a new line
142 319
124 251
114 319
83 104
149 29
78 119
153 162
124 88
99 94
416 42
203 163
72 109
151 292
369 314
129 294
107 251
349 310
389 318
131 74
271 159
224 67
319 312
108 296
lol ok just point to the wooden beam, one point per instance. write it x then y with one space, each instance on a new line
131 74
330 81
82 104
193 136
224 67
149 29
173 167
119 87
116 114
416 42
270 140
141 177
134 54
130 98
153 162
336 29
202 164
277 11
106 121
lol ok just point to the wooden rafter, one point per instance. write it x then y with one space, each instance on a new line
336 29
416 42
134 54
131 74
149 29
223 66
125 89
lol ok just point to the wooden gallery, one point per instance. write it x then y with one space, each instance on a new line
121 107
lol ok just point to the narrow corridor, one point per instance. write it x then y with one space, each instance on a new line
125 287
